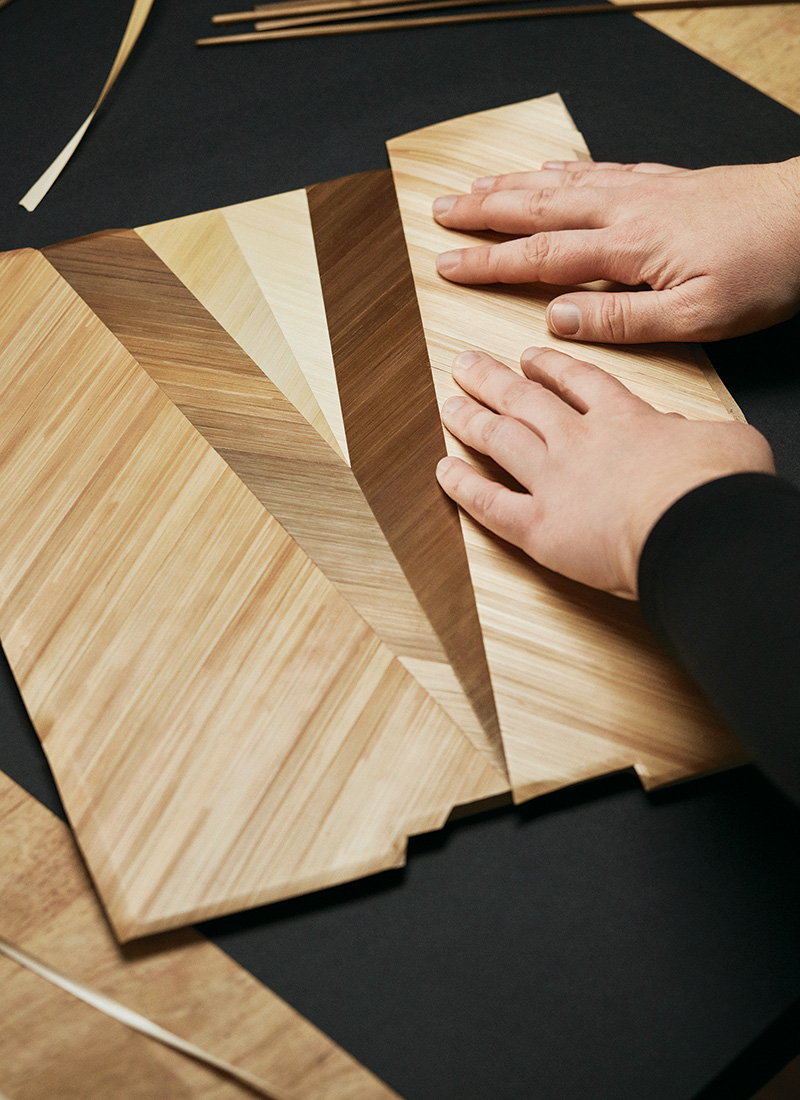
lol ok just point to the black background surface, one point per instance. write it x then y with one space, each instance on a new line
597 943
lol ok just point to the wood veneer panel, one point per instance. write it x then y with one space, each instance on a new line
275 238
393 428
224 729
54 1046
203 252
263 438
581 688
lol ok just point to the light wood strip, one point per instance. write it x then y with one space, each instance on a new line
204 254
34 195
52 1046
274 236
389 404
581 688
225 730
272 448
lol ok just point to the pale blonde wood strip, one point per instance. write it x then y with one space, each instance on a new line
263 438
34 195
54 1046
225 730
204 254
581 688
275 237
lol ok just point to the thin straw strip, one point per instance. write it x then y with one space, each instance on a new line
369 7
309 7
140 1023
358 27
141 9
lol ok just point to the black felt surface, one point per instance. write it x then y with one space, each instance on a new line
598 943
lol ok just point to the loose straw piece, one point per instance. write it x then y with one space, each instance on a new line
362 26
308 7
140 1023
141 9
329 11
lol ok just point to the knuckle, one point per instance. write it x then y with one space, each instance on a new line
515 392
491 430
538 249
484 499
615 316
540 201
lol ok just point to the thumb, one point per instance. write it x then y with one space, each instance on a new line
627 316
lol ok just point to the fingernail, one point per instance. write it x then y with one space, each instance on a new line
465 359
529 353
554 165
485 183
443 465
564 318
445 203
452 404
448 261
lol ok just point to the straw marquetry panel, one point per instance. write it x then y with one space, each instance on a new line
225 729
54 1047
389 406
580 686
292 470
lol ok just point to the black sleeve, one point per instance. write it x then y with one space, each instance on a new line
719 584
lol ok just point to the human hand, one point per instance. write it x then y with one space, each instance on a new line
599 466
719 248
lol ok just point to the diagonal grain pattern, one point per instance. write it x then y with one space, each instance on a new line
51 1045
203 252
275 237
581 688
224 728
262 437
389 405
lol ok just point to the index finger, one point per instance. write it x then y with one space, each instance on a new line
567 257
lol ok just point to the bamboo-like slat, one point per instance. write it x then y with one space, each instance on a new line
225 729
580 686
54 1046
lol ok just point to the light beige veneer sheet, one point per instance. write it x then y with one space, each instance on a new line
277 241
205 253
225 730
55 1047
580 686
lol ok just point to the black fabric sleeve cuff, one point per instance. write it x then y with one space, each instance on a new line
719 584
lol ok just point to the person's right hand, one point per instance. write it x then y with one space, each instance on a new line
719 248
597 464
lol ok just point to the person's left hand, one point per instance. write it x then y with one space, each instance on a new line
598 465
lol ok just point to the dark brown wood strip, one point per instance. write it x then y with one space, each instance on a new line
391 417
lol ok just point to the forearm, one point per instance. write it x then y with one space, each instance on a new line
719 584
